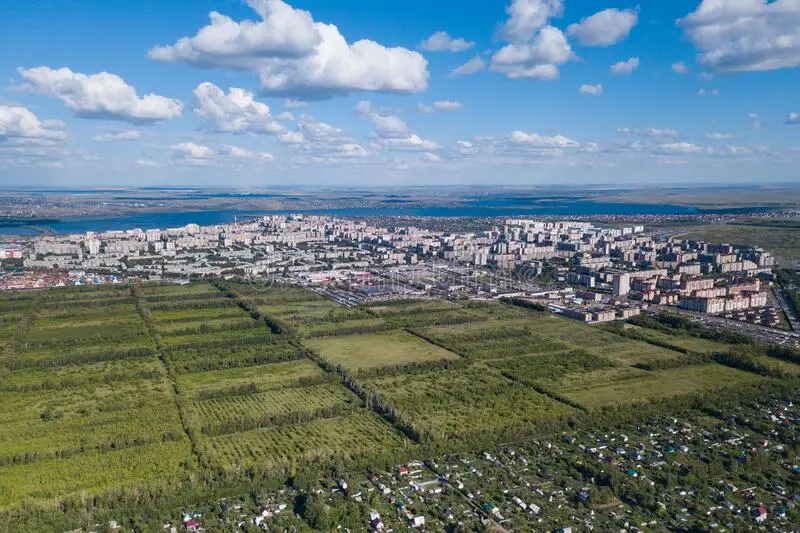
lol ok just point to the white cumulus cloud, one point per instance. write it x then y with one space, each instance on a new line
440 105
650 132
292 137
537 59
441 41
679 148
716 136
412 143
113 136
534 140
625 67
102 95
241 153
476 64
793 118
294 55
680 68
194 153
282 32
429 157
745 35
605 28
18 122
527 17
466 148
236 111
594 90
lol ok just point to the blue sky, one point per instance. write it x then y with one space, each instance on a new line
371 93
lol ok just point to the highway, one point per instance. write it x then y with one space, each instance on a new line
788 309
755 331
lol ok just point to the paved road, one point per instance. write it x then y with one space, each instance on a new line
783 301
752 330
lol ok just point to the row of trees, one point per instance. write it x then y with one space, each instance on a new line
79 357
247 423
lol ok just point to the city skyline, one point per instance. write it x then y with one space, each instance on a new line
264 92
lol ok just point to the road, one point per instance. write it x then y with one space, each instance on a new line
788 309
762 333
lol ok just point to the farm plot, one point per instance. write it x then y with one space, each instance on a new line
234 412
261 378
411 306
234 353
87 293
65 334
466 402
388 348
53 355
85 390
251 335
687 342
55 377
322 318
82 314
80 420
7 330
636 352
303 311
50 479
154 290
573 332
475 313
213 302
790 368
493 340
531 369
182 316
193 327
356 435
342 327
10 319
277 295
625 385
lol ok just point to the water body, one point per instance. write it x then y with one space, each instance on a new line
208 218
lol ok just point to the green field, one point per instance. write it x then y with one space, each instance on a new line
629 385
85 403
348 436
273 402
160 387
422 305
265 377
467 402
379 349
689 342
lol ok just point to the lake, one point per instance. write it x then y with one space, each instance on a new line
208 218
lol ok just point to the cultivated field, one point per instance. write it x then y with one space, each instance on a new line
85 403
688 342
468 402
372 350
352 435
253 398
629 385
130 387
